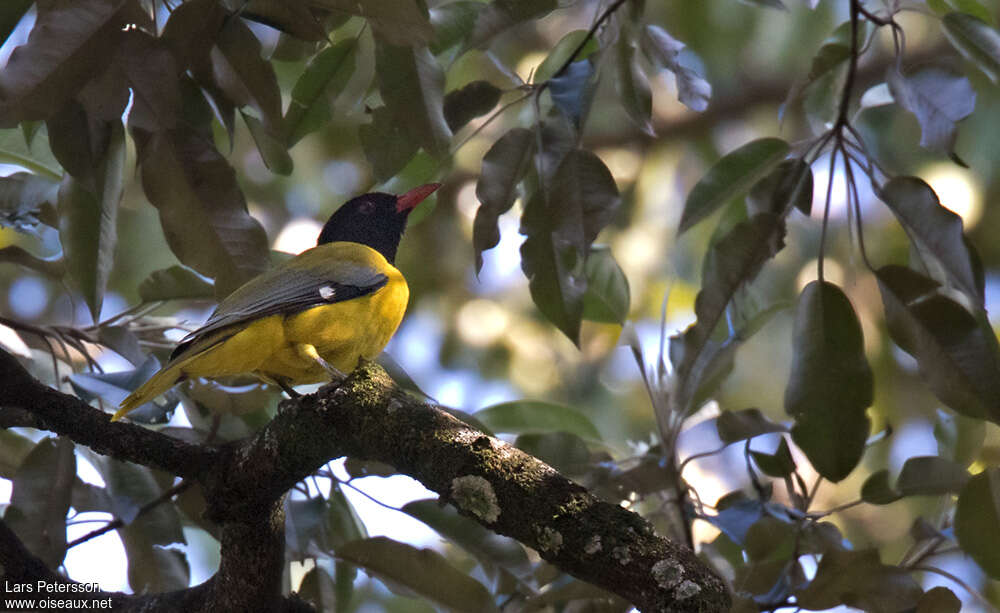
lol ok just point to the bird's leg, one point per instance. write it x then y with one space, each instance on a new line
280 382
310 352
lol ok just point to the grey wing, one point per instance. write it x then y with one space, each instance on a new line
287 291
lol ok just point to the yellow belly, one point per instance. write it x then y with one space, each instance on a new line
342 333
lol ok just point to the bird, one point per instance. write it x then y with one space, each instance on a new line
311 318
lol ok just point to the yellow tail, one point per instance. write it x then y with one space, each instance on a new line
157 384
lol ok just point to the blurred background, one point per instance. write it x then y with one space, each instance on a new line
471 341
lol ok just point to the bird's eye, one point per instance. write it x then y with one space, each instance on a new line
367 207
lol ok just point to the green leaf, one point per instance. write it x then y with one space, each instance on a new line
877 490
735 426
731 262
245 76
503 167
36 157
664 51
939 600
564 451
13 449
930 476
934 230
560 227
412 86
290 17
787 186
525 416
730 177
271 147
473 100
151 568
607 297
976 40
202 210
400 22
323 78
778 464
957 354
858 579
633 86
175 283
88 221
421 571
939 98
40 499
452 23
23 197
562 52
387 144
68 45
830 385
493 551
500 15
976 517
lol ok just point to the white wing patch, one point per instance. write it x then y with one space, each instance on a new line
327 293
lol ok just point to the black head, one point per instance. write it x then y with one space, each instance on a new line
376 220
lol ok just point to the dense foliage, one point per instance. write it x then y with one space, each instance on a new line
760 213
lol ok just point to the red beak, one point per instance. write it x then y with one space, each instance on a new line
415 196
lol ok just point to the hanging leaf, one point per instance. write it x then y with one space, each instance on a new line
959 438
412 86
830 385
290 17
860 580
40 499
473 100
939 600
503 167
246 77
733 426
877 490
778 464
88 221
325 75
500 15
452 23
560 226
387 144
788 186
957 355
976 40
730 177
491 550
939 99
934 230
272 149
36 157
607 297
526 416
562 51
421 571
202 210
732 262
633 86
174 283
68 45
976 517
930 476
400 22
664 51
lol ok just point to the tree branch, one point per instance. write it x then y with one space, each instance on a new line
369 417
